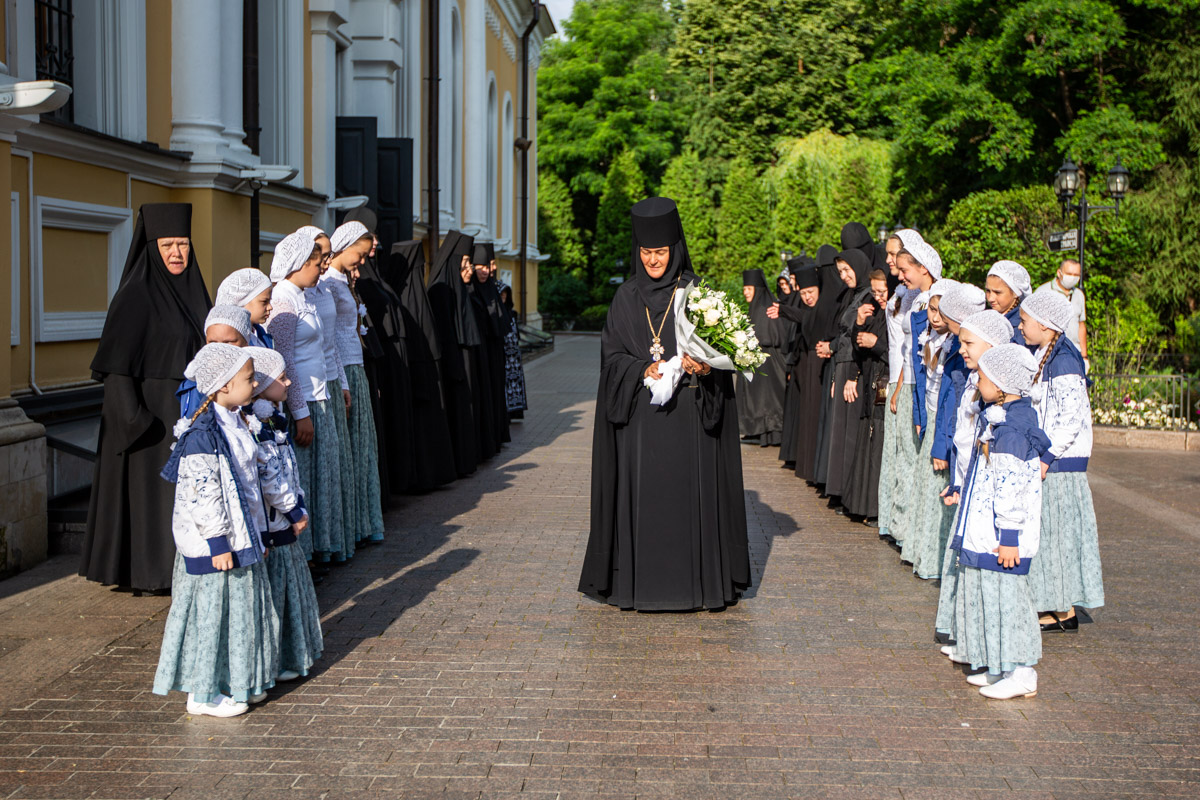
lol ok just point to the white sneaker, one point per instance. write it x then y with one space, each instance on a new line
1018 683
984 679
949 652
287 675
223 707
257 698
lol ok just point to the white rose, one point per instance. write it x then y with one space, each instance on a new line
739 338
711 318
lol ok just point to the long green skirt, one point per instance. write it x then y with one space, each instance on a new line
929 531
887 465
1067 569
365 457
904 470
221 635
995 624
322 496
295 602
947 592
344 477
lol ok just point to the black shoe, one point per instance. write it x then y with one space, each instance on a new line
1061 625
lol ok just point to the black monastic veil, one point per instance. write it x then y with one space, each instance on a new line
668 517
760 401
154 327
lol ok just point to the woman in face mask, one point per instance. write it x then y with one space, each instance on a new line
1067 283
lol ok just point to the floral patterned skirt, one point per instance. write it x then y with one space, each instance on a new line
364 447
929 530
344 477
903 475
1067 569
887 465
295 602
322 498
221 635
949 588
514 372
995 623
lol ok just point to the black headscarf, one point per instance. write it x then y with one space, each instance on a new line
405 273
155 322
823 327
656 224
448 294
856 236
487 292
861 265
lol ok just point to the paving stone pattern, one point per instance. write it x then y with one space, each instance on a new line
461 662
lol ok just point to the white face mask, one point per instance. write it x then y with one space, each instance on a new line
1068 281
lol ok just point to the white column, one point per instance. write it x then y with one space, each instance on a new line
445 89
474 117
414 72
325 41
197 123
231 79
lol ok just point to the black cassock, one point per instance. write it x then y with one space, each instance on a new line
760 401
458 337
668 530
432 462
861 497
155 325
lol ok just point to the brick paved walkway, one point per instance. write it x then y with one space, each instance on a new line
462 663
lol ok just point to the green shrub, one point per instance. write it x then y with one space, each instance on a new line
562 297
592 318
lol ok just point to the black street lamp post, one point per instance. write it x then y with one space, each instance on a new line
1067 183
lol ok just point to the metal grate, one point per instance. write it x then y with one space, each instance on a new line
56 48
1164 402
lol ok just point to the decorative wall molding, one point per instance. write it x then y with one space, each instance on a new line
52 212
510 47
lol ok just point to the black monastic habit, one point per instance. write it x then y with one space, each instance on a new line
668 515
154 327
760 401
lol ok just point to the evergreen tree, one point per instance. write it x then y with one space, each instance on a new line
623 186
744 238
558 236
685 183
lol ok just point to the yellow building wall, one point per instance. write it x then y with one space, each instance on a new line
74 270
75 180
158 72
220 231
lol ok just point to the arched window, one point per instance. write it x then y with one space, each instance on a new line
493 157
508 159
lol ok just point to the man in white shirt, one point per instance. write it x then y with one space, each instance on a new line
1066 283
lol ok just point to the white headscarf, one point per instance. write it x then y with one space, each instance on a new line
961 302
992 326
1050 308
922 251
215 365
235 317
1010 366
241 286
290 254
1013 274
347 235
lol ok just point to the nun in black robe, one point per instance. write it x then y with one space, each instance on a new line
825 330
843 419
479 369
486 289
154 327
668 516
382 363
760 401
431 447
457 334
802 409
515 397
861 498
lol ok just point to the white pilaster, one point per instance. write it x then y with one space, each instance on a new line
474 118
197 123
415 33
325 19
230 38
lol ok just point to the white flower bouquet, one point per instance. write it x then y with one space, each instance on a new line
709 328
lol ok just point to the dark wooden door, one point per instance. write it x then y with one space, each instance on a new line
394 201
357 158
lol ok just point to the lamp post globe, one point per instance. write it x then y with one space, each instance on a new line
1118 181
1068 178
